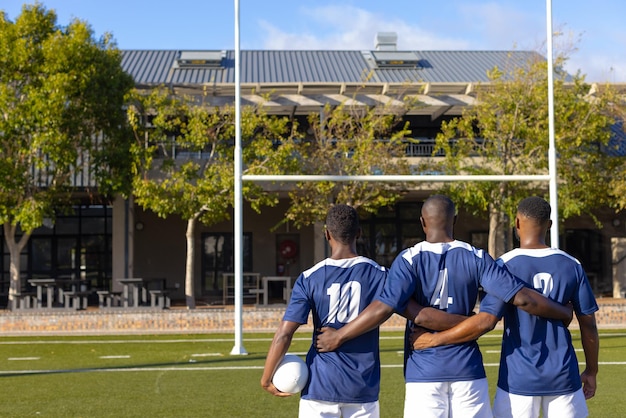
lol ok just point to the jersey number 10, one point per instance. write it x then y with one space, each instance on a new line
344 302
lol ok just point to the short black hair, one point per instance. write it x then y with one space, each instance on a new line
536 208
441 204
342 221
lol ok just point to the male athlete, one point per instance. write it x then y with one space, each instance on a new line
345 383
444 273
538 365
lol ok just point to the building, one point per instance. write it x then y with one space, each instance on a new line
102 243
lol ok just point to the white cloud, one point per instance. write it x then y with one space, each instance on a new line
335 31
501 27
599 68
461 25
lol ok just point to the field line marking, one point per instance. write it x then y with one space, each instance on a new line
201 368
23 358
207 355
220 340
120 356
498 351
203 340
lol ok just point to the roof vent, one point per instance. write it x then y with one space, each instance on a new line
212 59
386 41
396 59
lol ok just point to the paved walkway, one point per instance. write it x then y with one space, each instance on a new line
205 319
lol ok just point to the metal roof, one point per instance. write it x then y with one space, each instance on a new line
154 67
299 82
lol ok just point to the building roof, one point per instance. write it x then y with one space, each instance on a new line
299 82
154 67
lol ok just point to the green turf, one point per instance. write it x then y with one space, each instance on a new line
195 376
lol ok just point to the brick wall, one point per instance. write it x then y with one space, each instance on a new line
612 314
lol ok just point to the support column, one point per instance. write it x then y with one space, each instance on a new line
618 251
123 240
320 247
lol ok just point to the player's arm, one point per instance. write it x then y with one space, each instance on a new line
278 349
431 318
329 339
591 346
535 303
468 330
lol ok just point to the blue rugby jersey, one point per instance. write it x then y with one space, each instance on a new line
537 357
336 291
445 276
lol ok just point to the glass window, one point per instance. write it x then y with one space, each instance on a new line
66 226
218 251
93 225
411 234
66 255
77 244
410 211
41 255
385 236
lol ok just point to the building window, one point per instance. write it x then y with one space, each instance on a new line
390 231
218 256
77 246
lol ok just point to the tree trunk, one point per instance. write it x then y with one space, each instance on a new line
497 240
493 230
15 249
190 296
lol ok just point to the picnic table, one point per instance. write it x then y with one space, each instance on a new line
135 292
130 293
49 284
71 293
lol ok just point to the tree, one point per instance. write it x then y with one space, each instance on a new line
617 181
187 166
506 132
350 140
61 99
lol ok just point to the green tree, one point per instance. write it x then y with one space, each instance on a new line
350 140
187 166
506 132
61 98
617 181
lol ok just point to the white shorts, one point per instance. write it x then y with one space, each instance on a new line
509 405
469 398
320 409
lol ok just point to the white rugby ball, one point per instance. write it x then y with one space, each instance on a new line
291 374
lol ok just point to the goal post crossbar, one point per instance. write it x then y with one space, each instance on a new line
400 178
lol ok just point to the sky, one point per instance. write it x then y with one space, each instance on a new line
592 33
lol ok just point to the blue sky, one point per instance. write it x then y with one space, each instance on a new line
592 31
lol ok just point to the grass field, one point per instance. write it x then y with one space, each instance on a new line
194 376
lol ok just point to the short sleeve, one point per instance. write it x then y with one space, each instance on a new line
400 284
584 300
299 305
492 305
498 281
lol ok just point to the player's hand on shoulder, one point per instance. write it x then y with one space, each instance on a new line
327 340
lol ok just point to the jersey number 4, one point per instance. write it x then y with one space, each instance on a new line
344 302
440 295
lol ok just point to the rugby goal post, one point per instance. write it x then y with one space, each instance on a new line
238 348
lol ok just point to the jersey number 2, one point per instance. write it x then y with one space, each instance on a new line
344 302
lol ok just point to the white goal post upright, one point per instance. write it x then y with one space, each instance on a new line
239 178
238 349
554 214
